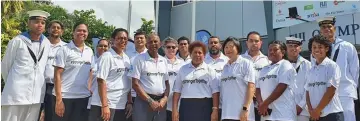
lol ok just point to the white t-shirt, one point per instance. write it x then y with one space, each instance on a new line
271 76
151 73
319 78
173 69
77 66
49 68
348 62
132 53
259 62
196 82
217 64
186 60
94 85
113 68
233 88
302 66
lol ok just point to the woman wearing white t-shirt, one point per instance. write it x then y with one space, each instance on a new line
197 86
101 47
237 84
72 75
174 64
275 86
114 86
322 85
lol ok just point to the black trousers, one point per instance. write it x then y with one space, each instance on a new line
95 113
168 115
357 109
332 117
75 110
47 106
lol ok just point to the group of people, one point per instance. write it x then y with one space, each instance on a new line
191 82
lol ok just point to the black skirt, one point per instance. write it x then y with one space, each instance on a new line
193 109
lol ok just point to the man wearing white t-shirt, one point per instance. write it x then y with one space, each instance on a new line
55 30
140 47
345 55
302 66
183 49
254 43
216 59
150 81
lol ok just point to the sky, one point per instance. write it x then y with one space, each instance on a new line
114 12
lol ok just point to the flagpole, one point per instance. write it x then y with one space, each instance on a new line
129 17
157 16
193 13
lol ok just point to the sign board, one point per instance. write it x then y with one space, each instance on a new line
310 10
203 36
347 28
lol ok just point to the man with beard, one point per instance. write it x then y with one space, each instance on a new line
254 54
55 30
216 59
183 49
345 55
150 80
22 69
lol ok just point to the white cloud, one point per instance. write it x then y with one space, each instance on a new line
114 12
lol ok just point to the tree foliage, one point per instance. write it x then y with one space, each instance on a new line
14 20
147 26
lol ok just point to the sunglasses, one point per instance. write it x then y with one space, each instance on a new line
170 47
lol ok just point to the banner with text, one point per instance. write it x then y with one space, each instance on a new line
310 10
347 28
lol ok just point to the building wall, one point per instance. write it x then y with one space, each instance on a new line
221 18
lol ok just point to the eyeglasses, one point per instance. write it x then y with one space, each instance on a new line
105 46
170 47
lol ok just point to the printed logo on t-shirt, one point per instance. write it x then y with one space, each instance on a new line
80 62
155 74
257 69
120 70
171 73
316 84
194 81
218 71
268 77
228 79
51 57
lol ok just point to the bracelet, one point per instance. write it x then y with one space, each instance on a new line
149 100
130 103
215 108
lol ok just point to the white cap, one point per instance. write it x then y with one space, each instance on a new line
38 13
293 40
326 20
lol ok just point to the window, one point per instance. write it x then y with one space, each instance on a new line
180 2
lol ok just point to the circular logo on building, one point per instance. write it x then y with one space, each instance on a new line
203 36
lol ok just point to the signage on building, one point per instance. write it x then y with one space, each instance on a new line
310 10
203 36
347 28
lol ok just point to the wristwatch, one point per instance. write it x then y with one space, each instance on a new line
245 108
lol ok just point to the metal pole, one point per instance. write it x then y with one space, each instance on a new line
157 16
129 17
193 13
